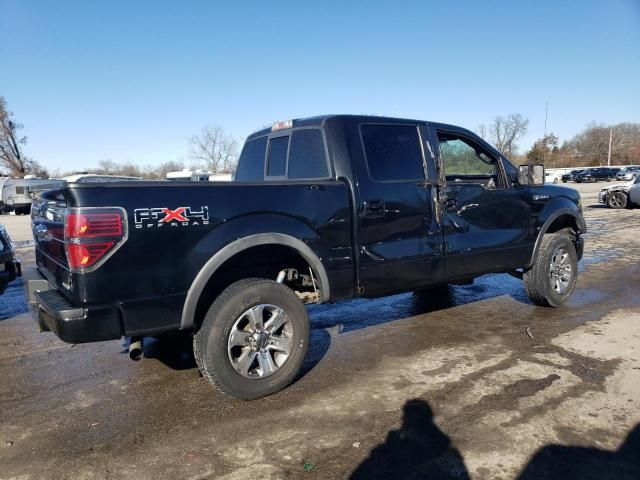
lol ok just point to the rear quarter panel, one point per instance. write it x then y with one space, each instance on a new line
161 262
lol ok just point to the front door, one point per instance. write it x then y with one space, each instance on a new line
399 238
488 223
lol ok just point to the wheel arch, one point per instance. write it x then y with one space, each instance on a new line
558 220
235 249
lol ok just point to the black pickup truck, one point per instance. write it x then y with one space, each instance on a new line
322 209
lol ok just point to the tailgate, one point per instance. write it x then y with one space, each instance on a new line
47 224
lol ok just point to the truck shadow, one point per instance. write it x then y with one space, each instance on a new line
362 313
175 351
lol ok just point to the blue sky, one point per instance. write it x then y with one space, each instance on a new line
131 81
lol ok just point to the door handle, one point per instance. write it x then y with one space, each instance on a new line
373 209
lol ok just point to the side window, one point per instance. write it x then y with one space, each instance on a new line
393 152
307 157
462 159
251 163
277 158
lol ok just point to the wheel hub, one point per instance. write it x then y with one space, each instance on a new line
561 271
260 341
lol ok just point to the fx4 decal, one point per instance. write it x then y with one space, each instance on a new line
165 217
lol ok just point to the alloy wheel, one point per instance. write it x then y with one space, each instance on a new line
260 341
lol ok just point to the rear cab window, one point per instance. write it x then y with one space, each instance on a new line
277 158
297 154
251 162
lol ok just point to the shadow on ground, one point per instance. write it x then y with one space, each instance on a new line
175 350
419 449
558 462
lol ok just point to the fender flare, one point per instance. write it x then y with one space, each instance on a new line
545 226
237 246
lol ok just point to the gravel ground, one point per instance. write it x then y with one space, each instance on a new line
481 384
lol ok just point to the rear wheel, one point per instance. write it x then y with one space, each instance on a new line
552 279
617 200
253 339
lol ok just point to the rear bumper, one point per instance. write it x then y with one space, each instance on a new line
71 323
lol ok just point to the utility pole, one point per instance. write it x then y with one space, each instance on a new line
610 140
544 140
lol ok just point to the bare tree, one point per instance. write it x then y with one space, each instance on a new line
11 157
483 132
506 131
108 167
592 144
215 149
160 172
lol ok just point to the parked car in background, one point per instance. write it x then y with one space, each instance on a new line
621 195
628 173
596 174
571 176
9 266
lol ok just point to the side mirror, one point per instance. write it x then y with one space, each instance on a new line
531 175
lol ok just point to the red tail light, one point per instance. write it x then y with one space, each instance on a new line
91 235
83 225
86 255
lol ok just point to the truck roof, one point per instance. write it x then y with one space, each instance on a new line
321 119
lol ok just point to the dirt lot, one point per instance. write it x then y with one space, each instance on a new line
478 385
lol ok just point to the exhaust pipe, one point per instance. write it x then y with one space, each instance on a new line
135 349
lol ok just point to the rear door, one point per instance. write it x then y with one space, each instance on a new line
400 241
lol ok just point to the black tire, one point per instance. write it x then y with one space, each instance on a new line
617 200
538 280
23 210
210 343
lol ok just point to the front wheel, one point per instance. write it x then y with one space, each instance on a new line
253 339
617 200
552 279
